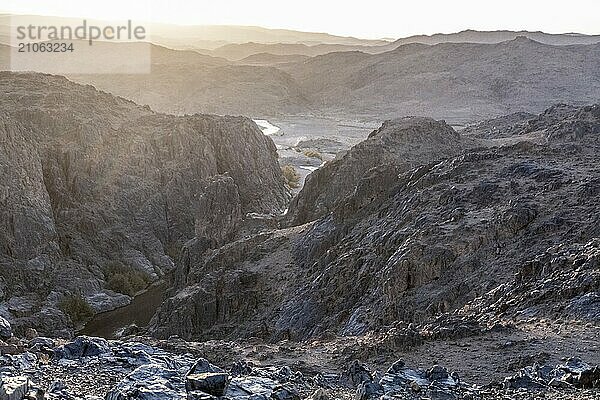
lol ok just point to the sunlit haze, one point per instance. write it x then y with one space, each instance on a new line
369 19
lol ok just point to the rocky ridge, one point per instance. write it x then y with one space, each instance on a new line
403 143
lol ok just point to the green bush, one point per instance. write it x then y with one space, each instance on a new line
313 154
77 308
291 176
122 279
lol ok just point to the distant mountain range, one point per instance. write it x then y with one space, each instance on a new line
461 82
473 36
204 36
220 38
238 51
463 76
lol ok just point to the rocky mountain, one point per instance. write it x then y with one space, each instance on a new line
441 259
99 194
238 51
235 51
478 248
199 36
176 81
412 239
404 143
474 36
272 59
243 34
231 89
460 82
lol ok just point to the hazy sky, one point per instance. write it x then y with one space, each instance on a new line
366 18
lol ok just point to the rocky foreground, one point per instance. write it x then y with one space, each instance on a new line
93 368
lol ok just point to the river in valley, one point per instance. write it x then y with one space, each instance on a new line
139 312
267 128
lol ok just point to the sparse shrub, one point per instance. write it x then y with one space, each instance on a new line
120 284
313 154
77 308
291 176
172 250
122 279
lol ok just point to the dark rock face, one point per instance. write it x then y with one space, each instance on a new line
219 211
88 179
222 292
403 143
562 281
500 126
413 244
561 122
213 383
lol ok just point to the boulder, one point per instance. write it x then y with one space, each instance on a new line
355 374
214 383
284 393
13 388
83 346
39 343
202 366
435 380
5 329
368 390
578 373
198 395
573 373
150 381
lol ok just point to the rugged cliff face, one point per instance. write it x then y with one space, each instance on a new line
413 238
403 143
89 180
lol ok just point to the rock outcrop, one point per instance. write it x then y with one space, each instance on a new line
402 143
89 180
